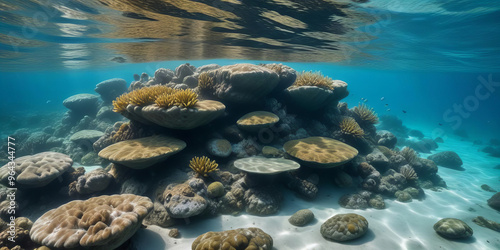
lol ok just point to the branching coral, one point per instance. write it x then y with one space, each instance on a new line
408 172
349 126
165 101
365 114
185 98
203 165
409 154
313 79
205 82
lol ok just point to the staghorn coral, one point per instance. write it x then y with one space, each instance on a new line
185 98
408 172
365 114
409 154
313 79
205 82
349 126
203 165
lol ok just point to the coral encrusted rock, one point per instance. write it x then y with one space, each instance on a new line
344 227
452 228
301 217
447 159
241 238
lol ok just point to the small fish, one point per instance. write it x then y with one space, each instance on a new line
404 111
365 100
48 101
382 98
440 124
362 98
386 104
388 109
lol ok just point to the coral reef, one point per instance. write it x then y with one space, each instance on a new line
203 165
408 172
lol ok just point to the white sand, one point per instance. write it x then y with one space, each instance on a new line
399 226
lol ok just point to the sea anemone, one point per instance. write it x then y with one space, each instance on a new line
408 172
165 101
205 82
365 114
121 103
349 126
185 98
203 165
409 154
313 79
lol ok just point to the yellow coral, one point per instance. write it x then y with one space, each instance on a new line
313 79
203 165
185 98
165 101
349 126
365 114
205 82
120 104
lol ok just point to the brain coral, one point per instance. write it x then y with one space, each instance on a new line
343 227
102 222
241 238
37 170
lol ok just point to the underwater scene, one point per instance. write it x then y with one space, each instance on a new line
237 124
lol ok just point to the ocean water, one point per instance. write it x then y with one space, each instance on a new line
432 65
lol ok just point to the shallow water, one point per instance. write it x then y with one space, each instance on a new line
431 66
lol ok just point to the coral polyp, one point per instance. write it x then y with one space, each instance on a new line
203 165
349 126
313 79
365 114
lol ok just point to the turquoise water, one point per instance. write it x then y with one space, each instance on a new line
432 64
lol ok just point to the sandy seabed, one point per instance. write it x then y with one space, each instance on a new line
399 226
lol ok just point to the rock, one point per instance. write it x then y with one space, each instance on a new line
207 67
439 140
416 133
106 113
377 202
163 76
301 218
483 222
264 200
86 137
344 227
353 201
494 201
403 196
269 151
159 216
243 83
452 228
386 138
174 233
219 147
342 179
111 89
183 70
134 186
425 167
304 188
82 104
181 201
377 159
488 188
447 159
95 181
241 238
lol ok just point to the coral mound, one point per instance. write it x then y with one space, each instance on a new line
344 227
241 238
102 222
321 152
257 120
452 228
